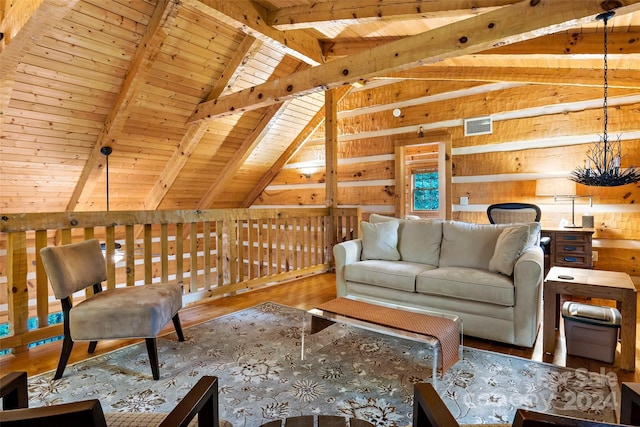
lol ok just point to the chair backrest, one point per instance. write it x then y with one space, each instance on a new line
524 418
74 267
507 213
428 408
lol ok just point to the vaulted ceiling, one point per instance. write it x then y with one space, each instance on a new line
203 101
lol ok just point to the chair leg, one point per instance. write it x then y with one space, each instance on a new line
178 326
67 346
92 346
152 349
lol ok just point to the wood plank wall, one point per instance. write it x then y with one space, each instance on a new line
538 131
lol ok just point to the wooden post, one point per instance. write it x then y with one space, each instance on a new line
130 261
42 288
17 285
331 168
164 251
193 257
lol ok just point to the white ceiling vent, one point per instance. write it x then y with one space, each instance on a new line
478 126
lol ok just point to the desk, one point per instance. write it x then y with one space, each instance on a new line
610 285
569 247
323 421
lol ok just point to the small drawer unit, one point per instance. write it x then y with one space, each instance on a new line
571 248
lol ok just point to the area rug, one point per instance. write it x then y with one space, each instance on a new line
269 367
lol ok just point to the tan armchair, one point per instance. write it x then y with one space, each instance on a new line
200 401
129 312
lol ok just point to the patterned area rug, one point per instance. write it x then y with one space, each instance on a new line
267 370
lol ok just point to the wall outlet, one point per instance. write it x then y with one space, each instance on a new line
594 255
464 200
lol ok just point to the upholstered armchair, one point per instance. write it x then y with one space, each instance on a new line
200 401
129 312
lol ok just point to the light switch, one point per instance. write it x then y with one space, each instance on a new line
464 200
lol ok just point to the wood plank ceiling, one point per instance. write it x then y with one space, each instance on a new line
203 101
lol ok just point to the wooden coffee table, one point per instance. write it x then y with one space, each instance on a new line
611 285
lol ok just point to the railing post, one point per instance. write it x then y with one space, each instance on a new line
17 285
42 285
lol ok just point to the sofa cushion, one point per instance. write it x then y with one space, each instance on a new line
418 240
468 245
509 247
534 234
472 245
380 241
467 284
388 274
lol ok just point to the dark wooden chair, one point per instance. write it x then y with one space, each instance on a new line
200 401
129 312
630 404
430 411
525 418
428 408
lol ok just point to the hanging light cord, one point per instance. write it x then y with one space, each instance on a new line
106 151
606 84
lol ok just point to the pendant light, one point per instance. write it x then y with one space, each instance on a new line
602 168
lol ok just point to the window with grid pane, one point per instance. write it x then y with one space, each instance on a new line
425 190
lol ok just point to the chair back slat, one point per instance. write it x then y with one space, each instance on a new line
74 267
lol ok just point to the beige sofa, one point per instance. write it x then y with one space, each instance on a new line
488 274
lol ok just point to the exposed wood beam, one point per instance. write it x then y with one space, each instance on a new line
573 44
23 25
248 48
242 154
250 17
349 12
16 18
293 148
154 37
552 44
511 24
623 79
331 149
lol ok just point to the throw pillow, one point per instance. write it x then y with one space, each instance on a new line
380 240
509 246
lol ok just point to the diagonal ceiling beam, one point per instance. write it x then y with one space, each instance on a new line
293 148
250 18
242 154
247 49
150 45
355 12
510 24
553 44
622 79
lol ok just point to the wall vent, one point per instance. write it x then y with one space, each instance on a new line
478 126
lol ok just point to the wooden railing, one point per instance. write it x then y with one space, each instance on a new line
212 253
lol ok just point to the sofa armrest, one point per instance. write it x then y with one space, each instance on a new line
345 253
527 279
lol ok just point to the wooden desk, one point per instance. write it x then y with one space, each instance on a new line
569 247
610 285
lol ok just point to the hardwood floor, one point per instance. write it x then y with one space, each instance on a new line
304 294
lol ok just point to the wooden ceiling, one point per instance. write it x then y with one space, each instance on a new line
203 101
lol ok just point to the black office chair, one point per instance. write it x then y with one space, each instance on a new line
507 213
